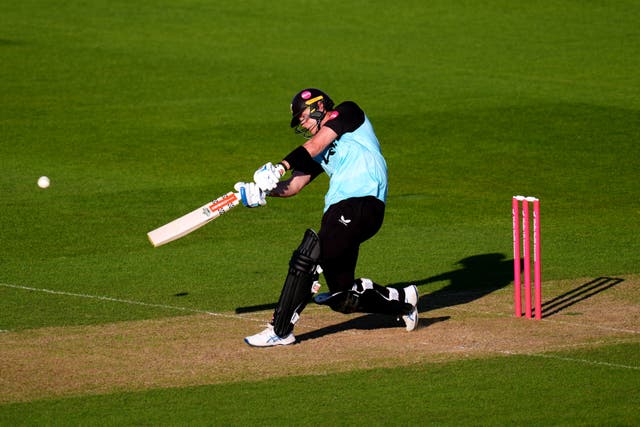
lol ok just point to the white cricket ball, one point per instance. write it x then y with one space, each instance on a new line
43 182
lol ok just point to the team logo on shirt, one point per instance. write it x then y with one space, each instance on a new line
344 221
331 150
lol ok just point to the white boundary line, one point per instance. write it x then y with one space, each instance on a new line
125 301
563 322
572 360
603 327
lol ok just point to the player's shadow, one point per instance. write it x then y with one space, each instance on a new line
478 276
366 322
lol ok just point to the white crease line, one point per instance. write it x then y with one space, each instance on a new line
591 344
549 320
125 301
603 327
571 359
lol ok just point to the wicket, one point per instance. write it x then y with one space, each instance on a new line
524 251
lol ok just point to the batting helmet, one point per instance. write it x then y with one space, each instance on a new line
308 98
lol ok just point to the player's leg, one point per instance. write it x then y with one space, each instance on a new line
365 296
296 291
294 296
368 297
344 227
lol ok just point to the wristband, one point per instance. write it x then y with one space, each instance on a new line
300 160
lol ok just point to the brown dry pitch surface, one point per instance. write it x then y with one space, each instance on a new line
208 348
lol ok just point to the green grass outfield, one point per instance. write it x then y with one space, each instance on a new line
141 111
547 392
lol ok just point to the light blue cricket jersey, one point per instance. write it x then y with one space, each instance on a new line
355 166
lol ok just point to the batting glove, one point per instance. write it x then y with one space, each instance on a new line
250 194
267 176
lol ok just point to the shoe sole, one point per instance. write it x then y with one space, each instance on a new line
415 290
270 345
415 312
415 324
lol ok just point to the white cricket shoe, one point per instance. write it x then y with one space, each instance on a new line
268 338
411 297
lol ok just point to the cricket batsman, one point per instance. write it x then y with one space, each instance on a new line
340 142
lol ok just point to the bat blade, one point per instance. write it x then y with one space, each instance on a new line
193 220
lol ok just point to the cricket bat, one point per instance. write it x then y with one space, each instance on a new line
193 220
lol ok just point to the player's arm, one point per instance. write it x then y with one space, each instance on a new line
291 186
320 141
300 161
314 146
347 117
